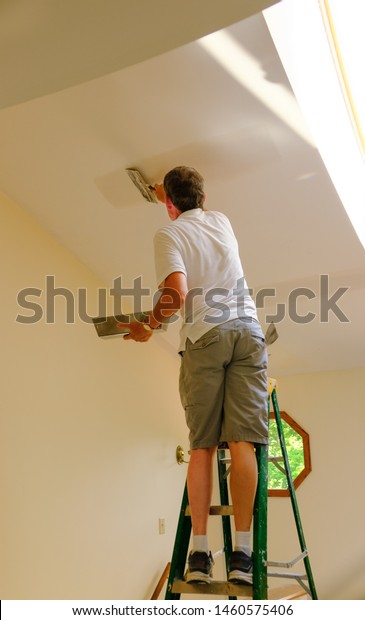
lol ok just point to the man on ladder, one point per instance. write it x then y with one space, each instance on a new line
223 375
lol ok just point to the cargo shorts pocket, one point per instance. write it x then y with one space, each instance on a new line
204 341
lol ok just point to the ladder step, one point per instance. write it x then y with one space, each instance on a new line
231 589
223 511
215 587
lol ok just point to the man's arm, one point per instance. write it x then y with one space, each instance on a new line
170 301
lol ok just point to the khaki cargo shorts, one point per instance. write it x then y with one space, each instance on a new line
223 385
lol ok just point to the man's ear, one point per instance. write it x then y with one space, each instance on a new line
172 211
169 206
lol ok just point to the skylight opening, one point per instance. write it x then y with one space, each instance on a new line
321 47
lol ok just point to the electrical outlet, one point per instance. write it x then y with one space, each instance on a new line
161 526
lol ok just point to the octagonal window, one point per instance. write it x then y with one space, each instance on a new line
297 445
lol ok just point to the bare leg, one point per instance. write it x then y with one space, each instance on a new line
243 483
200 486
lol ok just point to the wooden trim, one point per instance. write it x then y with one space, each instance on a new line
163 578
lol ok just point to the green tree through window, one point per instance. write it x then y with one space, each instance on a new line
297 445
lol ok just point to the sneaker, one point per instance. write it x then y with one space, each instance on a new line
200 567
240 568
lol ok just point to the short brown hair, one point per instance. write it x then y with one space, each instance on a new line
185 188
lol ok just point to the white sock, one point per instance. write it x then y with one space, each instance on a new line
200 543
243 542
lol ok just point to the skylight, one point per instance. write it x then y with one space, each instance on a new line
322 47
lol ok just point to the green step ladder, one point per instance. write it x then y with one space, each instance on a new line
176 585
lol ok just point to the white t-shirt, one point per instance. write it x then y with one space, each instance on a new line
202 245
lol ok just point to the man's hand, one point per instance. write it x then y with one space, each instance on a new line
171 300
160 192
139 332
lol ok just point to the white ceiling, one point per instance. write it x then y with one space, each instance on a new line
63 155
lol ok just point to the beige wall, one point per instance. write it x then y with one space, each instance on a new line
330 406
88 435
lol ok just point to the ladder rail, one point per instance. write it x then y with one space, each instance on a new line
181 546
226 519
292 494
259 576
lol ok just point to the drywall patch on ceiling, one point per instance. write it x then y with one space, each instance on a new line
226 156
